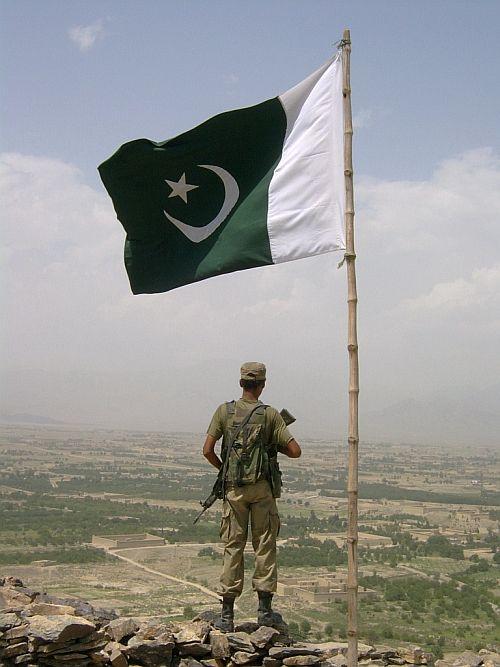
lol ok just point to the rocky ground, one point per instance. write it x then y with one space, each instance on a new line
40 629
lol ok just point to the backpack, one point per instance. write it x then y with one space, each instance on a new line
249 457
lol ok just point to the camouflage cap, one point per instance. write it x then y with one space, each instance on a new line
253 370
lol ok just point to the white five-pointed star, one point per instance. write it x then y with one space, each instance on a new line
180 188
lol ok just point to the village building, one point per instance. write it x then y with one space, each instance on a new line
130 541
324 589
364 539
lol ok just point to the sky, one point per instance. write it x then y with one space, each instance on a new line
78 79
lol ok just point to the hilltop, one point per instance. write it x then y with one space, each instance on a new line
40 629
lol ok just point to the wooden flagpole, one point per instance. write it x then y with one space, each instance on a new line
352 347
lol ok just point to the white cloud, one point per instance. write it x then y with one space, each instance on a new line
459 205
461 294
428 285
85 36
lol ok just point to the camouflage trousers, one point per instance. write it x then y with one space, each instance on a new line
254 503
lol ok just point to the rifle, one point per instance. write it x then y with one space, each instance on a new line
218 490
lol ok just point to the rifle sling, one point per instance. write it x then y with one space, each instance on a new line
233 440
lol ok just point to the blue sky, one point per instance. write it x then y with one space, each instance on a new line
80 78
425 74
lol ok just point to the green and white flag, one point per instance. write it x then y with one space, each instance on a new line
249 187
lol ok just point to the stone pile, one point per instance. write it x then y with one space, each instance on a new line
37 629
484 658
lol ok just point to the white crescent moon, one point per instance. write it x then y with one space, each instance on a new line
232 192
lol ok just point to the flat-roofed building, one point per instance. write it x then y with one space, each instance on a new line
323 589
130 541
364 539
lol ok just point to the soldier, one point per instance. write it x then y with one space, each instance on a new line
252 483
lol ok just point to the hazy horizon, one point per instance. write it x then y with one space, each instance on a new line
81 79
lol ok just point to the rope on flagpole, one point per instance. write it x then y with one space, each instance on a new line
352 347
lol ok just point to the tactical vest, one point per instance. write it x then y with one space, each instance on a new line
250 455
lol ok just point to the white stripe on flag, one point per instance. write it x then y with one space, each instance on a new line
307 192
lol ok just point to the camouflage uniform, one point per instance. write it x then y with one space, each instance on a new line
252 502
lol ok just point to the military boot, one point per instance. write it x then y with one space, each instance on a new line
266 615
225 623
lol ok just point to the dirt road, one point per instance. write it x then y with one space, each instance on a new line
201 588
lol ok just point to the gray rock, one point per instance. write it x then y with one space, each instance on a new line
149 652
271 662
468 659
154 630
13 598
44 629
246 626
282 652
121 627
190 662
80 607
195 649
15 649
414 655
264 637
396 660
9 620
73 658
302 660
338 660
490 659
117 659
99 657
47 609
14 633
192 631
382 652
85 644
364 650
111 646
22 659
240 641
52 647
331 652
219 644
244 658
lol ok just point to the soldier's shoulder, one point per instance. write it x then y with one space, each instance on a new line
271 411
221 409
226 408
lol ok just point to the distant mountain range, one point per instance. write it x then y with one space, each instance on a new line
464 415
433 420
25 418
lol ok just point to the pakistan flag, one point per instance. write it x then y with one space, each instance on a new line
247 188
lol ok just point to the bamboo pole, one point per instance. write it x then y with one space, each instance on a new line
352 347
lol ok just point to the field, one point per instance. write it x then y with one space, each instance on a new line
432 580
